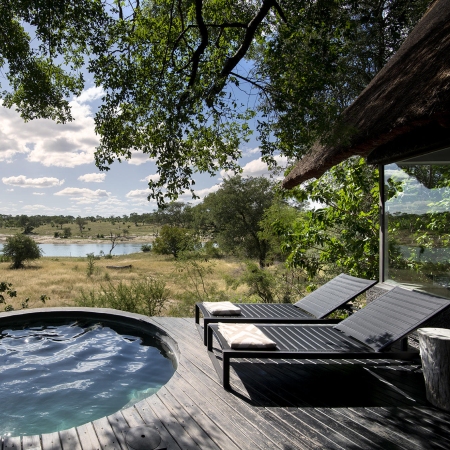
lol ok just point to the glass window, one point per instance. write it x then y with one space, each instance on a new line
417 220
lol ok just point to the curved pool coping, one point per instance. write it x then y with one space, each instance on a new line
136 321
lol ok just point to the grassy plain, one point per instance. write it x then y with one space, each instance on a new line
63 279
91 230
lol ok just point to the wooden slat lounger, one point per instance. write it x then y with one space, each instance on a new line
317 305
367 334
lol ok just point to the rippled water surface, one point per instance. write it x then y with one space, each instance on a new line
57 377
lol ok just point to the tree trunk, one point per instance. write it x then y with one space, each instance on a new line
435 353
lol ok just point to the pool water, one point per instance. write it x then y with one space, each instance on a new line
54 377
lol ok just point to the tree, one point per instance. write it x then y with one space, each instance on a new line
236 210
67 232
39 82
176 214
20 248
319 61
81 223
113 237
279 212
304 60
173 241
342 231
174 73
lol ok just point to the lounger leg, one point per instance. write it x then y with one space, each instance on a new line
197 314
209 338
226 371
205 331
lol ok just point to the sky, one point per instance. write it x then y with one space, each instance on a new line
48 168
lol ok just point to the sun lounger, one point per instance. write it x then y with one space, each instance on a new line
317 305
368 334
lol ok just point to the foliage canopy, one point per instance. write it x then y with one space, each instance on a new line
235 212
177 75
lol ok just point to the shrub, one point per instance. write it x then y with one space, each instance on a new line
146 247
143 297
20 248
91 264
174 240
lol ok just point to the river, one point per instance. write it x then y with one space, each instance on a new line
77 250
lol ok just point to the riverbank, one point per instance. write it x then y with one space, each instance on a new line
47 239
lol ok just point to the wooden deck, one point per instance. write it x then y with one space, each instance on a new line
273 405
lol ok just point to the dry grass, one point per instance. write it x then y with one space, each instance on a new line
63 279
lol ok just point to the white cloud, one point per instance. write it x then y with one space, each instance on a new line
38 193
23 181
83 195
154 177
258 168
138 193
90 95
138 158
93 177
34 208
251 151
49 143
202 193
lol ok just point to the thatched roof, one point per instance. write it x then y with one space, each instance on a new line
404 111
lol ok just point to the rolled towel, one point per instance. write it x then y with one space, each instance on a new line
222 308
244 335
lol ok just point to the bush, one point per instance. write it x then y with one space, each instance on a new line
174 240
146 247
143 297
91 264
20 248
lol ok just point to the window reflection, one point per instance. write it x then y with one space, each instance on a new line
418 226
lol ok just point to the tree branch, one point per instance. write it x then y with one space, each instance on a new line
254 83
232 62
203 44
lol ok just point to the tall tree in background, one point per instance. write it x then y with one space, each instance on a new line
236 211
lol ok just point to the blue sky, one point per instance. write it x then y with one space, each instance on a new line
48 168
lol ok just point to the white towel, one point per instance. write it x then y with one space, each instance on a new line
244 335
222 308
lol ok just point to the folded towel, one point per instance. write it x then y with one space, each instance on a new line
244 335
222 308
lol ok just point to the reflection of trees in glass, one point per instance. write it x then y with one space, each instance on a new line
418 220
430 176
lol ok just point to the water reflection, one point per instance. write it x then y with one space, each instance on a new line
81 250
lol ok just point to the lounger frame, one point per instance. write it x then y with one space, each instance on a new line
369 334
361 352
312 309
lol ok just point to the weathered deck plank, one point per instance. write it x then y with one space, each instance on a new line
88 437
12 443
69 439
51 441
105 435
31 443
274 404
